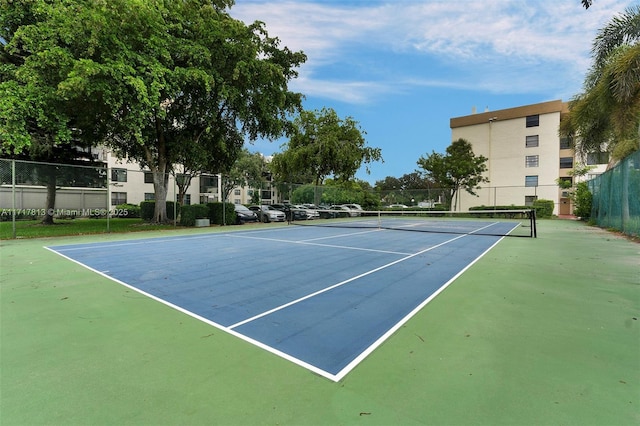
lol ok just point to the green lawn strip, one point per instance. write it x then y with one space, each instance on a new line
539 331
81 226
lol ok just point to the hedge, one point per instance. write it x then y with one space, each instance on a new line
189 214
544 208
216 213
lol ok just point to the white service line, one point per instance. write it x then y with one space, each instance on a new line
324 290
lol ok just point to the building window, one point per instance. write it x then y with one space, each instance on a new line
532 141
118 198
529 200
565 143
209 183
531 180
597 158
236 192
531 161
566 162
533 120
148 177
186 200
118 175
149 196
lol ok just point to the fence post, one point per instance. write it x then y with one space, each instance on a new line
108 198
13 196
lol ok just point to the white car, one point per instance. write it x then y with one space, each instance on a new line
311 214
267 213
357 208
344 211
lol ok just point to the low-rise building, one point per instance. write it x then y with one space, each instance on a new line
526 157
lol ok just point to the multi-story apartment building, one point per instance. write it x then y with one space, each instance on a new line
117 182
131 185
526 156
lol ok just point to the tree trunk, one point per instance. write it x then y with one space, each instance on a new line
51 195
160 189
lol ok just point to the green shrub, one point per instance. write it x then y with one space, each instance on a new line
127 211
216 213
582 201
544 208
189 214
146 210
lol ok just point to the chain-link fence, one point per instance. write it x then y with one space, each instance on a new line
31 189
428 198
616 197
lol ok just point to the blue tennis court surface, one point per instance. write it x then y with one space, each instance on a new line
323 298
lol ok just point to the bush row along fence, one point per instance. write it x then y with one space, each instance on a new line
616 197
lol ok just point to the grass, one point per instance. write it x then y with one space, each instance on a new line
82 226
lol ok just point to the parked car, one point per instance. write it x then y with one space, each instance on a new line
268 213
323 212
343 211
288 210
356 208
306 211
398 206
244 215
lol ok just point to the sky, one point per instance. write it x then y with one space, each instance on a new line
403 68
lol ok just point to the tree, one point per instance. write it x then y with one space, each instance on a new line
246 171
321 145
587 3
458 169
607 114
407 189
35 123
147 77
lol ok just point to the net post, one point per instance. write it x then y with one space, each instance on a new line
534 231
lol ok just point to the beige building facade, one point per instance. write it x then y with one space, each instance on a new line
525 153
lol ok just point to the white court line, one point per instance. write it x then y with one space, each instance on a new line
324 290
337 377
308 243
334 377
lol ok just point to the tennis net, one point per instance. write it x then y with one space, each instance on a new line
515 223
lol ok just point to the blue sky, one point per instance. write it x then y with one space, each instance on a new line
403 68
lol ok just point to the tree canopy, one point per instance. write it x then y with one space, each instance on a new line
145 78
458 169
607 114
322 144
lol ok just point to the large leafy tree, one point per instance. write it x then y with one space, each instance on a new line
323 144
148 77
35 123
607 113
247 170
458 169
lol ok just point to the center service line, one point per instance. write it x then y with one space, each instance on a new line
293 302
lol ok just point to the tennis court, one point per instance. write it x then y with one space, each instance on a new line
322 297
537 331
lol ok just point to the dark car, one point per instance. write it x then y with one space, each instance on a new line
289 210
244 215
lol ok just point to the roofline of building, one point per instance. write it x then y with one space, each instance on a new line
510 113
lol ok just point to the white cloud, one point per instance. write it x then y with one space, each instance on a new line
501 46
